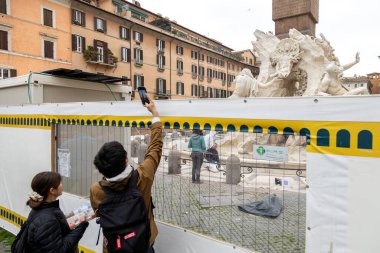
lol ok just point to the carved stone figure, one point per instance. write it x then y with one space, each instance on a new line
245 84
296 66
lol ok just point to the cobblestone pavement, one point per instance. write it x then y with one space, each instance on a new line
180 202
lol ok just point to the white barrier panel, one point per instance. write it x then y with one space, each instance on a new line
173 239
342 204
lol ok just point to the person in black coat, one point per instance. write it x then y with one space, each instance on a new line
48 231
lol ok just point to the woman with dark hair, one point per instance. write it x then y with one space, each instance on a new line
198 149
48 230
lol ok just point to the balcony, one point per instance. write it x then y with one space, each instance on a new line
223 82
92 56
161 68
209 79
162 94
194 75
201 77
180 72
138 63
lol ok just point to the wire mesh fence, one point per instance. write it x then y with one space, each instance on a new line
214 206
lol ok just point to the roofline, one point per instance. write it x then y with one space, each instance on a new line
177 24
184 41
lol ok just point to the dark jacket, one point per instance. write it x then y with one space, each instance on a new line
49 231
146 171
212 155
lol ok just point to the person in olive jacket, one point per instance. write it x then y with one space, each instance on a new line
111 160
48 231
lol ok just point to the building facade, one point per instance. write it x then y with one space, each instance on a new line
354 82
119 38
34 38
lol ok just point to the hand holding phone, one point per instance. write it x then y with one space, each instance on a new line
143 95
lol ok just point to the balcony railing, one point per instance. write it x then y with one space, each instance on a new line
162 93
209 79
180 72
138 63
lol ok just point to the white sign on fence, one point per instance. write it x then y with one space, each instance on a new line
64 162
270 153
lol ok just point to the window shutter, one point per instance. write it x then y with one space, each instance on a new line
134 53
13 72
128 34
73 42
164 84
49 49
95 18
3 6
177 88
121 32
183 88
128 55
83 18
141 54
105 26
157 86
142 80
142 37
105 52
157 42
134 35
163 60
48 17
157 59
121 53
181 65
163 44
72 15
134 82
83 44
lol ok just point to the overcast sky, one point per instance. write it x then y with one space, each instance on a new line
349 25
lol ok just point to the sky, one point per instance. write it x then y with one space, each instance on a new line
350 25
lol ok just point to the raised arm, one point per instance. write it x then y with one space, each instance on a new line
153 154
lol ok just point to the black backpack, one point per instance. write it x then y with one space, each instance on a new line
124 219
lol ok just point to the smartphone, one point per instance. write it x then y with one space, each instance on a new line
143 96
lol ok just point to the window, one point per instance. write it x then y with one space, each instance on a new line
138 56
209 92
78 18
100 25
180 88
194 54
48 49
47 17
201 91
161 86
194 70
3 6
179 67
3 40
201 72
102 49
209 74
179 50
160 45
201 57
138 81
138 37
160 60
78 43
124 33
7 73
125 54
194 90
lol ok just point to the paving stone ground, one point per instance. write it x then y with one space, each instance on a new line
180 202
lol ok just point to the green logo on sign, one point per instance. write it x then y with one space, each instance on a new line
260 150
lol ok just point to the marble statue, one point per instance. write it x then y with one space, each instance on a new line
300 65
244 84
